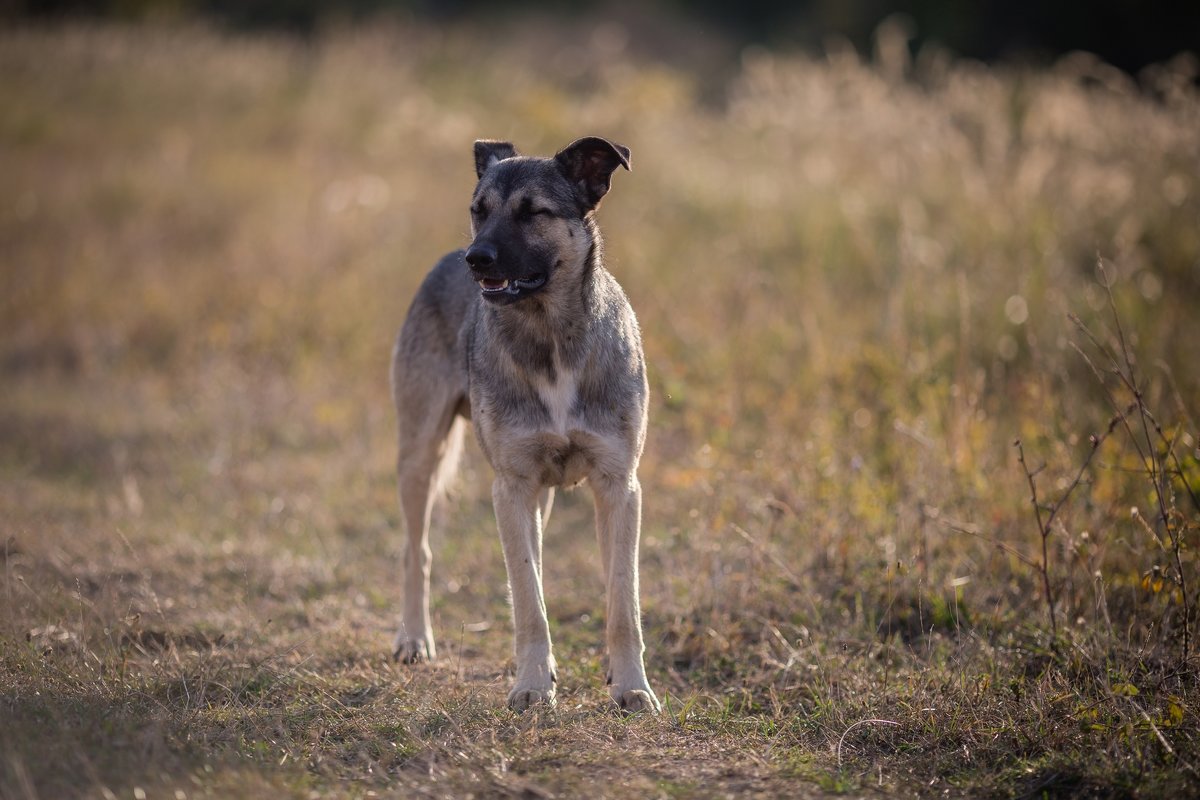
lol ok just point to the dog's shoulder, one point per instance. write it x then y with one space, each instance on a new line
448 284
442 307
614 313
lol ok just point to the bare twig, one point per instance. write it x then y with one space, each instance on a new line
1155 468
972 530
1044 525
1154 463
1044 532
1162 739
1169 444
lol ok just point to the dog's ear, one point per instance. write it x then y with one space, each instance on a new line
589 164
488 152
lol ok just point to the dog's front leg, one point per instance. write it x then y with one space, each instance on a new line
519 520
618 523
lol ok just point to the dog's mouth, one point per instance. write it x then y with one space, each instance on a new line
514 287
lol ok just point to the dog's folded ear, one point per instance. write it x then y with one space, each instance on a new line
589 164
488 152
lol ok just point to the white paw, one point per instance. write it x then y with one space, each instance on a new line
413 649
631 701
523 697
533 688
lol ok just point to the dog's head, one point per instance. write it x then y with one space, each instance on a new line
530 216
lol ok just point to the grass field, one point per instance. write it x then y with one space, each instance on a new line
854 278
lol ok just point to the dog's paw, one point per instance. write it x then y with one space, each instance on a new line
410 650
522 698
534 691
633 701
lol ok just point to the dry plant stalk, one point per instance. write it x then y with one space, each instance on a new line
1153 459
1052 512
1161 464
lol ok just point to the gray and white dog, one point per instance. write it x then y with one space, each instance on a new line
529 337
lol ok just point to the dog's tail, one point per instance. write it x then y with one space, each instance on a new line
451 451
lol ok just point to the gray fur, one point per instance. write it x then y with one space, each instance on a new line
527 335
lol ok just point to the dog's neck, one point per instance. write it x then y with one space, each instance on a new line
555 317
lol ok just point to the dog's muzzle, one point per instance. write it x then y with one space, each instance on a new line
511 287
482 259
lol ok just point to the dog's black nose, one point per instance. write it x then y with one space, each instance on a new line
481 255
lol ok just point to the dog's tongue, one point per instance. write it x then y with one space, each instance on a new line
493 283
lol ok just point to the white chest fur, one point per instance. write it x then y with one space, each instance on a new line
558 396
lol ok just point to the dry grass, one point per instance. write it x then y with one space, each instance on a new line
853 281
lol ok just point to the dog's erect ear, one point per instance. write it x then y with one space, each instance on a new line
589 164
488 152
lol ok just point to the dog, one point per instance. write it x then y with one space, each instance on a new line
529 338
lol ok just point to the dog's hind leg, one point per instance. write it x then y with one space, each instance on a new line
429 450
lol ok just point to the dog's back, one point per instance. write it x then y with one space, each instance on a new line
429 342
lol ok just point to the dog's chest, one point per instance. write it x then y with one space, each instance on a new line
558 397
564 462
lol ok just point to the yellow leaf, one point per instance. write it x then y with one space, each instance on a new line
1174 713
1157 584
1125 690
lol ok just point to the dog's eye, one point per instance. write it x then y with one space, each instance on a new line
526 213
479 210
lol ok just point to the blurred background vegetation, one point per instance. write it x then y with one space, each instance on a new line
1127 34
